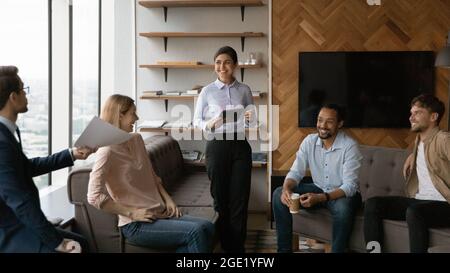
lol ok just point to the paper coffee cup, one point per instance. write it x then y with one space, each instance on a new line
73 247
295 203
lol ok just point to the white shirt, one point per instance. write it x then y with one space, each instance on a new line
218 96
426 191
10 125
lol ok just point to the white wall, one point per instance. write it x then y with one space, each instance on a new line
118 66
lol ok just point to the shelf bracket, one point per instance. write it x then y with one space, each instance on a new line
242 43
166 70
166 103
165 14
242 74
165 44
242 12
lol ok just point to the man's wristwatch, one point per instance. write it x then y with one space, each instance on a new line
327 196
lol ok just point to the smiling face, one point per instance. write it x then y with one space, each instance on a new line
421 119
128 119
224 68
327 123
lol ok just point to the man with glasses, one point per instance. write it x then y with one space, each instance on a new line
23 226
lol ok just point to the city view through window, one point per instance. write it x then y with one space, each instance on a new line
24 44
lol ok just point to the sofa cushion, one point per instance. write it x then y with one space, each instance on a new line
317 224
381 172
207 213
192 190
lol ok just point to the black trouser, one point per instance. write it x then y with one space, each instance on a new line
419 214
229 167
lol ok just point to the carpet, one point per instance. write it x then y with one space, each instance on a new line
265 241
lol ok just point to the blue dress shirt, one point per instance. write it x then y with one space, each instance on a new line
218 96
331 169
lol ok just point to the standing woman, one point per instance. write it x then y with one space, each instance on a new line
228 154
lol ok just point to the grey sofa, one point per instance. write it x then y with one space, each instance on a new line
190 191
381 174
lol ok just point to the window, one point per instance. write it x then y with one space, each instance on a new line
85 60
24 28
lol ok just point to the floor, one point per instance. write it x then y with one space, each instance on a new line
260 221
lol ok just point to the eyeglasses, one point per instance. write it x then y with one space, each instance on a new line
26 90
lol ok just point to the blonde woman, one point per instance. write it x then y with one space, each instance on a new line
123 182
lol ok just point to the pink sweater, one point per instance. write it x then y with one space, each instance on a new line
124 173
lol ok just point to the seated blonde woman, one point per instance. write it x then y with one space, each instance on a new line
123 182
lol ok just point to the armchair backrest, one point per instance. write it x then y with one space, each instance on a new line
98 227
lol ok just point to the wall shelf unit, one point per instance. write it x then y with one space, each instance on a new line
180 97
195 30
201 3
191 130
166 35
196 66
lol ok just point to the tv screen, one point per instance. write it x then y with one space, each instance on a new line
375 88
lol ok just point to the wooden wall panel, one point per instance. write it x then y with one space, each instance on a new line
349 25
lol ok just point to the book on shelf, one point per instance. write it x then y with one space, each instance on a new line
193 92
191 155
153 93
172 93
152 124
186 94
178 62
178 124
258 157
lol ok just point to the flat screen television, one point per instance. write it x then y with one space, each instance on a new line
375 88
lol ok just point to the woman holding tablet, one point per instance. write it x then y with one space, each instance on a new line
224 108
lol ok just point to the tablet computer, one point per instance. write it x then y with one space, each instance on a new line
233 115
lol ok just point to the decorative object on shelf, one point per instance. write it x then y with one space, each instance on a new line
201 3
152 93
191 155
258 157
252 58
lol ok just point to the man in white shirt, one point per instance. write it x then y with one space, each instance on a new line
427 173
